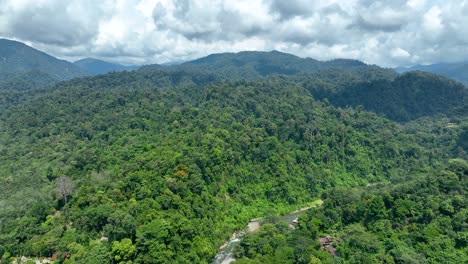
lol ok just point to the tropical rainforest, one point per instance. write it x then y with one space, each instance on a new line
163 164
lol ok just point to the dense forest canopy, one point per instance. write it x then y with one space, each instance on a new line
416 219
162 164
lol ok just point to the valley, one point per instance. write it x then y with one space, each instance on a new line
162 164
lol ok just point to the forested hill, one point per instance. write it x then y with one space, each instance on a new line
457 71
407 97
416 219
18 88
95 66
18 59
162 164
343 82
255 64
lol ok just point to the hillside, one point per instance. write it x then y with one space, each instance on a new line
255 64
415 219
17 58
457 71
407 97
344 83
162 164
18 88
95 66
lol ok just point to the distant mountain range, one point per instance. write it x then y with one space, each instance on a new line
95 66
17 59
457 71
27 72
343 82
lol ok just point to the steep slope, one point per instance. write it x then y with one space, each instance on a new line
343 82
416 219
17 58
457 71
409 96
95 66
160 165
170 171
18 88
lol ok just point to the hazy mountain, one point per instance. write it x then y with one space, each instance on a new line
18 59
95 66
457 71
172 63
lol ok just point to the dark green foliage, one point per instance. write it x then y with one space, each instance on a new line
407 97
17 88
18 58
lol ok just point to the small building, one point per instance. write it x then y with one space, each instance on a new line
295 222
326 240
332 251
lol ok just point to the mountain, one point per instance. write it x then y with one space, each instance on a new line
18 88
94 66
256 64
457 71
26 72
163 164
344 83
407 97
18 59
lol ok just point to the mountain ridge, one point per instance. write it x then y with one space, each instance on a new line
261 64
96 66
17 58
457 71
163 164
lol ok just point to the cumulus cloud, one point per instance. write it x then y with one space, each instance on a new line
53 22
388 33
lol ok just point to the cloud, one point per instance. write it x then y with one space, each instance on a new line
388 33
208 20
289 9
53 22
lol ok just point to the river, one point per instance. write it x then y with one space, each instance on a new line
225 252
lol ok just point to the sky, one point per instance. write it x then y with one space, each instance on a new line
387 33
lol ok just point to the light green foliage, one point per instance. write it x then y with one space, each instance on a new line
387 228
123 251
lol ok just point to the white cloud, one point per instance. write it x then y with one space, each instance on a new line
432 21
381 32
